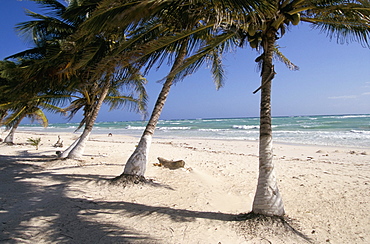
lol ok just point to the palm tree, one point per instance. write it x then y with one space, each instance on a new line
31 108
136 164
91 99
55 53
45 64
343 20
15 106
154 38
261 24
4 83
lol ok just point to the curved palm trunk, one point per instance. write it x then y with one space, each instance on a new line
10 137
267 200
136 164
77 151
69 149
79 145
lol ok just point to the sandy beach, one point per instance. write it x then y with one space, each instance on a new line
42 200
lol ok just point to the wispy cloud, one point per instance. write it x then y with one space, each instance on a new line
344 97
350 96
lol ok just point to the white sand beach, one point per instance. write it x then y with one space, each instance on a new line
325 191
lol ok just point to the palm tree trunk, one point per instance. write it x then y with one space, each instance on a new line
77 151
136 164
68 150
10 137
267 200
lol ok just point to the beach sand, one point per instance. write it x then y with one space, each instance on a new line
42 200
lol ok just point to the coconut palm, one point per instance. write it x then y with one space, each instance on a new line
54 54
15 106
260 24
9 75
31 108
153 39
4 84
343 20
91 99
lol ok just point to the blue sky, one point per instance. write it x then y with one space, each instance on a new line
333 78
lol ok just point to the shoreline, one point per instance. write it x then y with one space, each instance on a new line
170 137
334 130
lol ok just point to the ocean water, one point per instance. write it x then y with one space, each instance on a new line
331 130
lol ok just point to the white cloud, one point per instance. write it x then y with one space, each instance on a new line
344 97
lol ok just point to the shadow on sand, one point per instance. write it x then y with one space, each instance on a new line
29 209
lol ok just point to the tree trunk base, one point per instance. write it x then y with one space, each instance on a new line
125 180
265 227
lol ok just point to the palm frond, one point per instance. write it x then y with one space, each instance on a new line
280 56
128 102
16 115
40 116
345 21
192 63
54 6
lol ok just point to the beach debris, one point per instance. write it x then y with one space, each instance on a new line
358 153
171 164
59 143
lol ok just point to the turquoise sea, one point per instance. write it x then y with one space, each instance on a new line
332 130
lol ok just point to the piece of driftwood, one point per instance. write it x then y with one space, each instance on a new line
59 143
171 164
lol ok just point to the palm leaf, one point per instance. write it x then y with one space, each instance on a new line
191 64
40 116
280 56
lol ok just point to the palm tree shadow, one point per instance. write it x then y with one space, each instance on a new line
65 219
176 215
38 213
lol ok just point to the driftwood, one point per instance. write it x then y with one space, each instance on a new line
58 143
171 164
